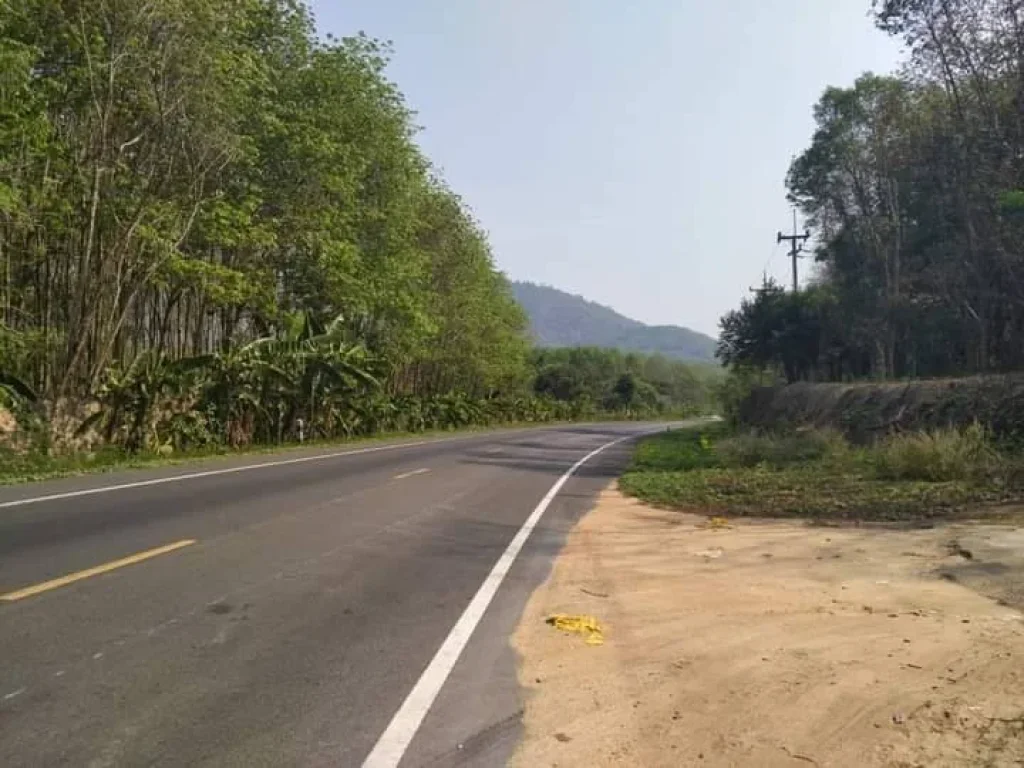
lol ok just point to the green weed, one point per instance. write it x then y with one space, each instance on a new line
817 474
678 449
800 492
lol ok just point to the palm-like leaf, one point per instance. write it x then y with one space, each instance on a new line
18 387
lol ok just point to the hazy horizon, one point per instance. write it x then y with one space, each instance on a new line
635 158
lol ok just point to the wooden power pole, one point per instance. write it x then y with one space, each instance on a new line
796 246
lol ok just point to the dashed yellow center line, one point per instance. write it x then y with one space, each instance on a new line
88 573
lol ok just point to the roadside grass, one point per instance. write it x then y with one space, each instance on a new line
753 450
679 449
818 474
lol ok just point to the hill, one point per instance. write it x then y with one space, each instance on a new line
560 319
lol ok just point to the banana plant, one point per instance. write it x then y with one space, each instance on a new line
307 369
14 388
130 396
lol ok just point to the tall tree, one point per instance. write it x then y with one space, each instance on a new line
915 185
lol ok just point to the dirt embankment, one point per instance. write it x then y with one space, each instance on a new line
776 644
867 410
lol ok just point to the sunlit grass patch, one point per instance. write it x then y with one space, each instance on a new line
817 474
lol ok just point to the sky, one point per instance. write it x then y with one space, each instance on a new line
633 153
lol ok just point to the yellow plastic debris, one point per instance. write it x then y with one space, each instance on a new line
581 625
716 523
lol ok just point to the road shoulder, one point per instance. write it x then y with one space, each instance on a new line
767 643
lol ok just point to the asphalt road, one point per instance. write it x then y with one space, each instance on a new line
280 615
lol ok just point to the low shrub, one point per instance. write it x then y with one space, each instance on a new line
752 449
940 455
735 390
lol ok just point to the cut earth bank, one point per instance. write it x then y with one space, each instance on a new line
764 643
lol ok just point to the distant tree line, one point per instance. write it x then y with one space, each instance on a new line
614 381
215 225
914 185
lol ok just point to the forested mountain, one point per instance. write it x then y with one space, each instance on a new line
560 319
216 225
914 187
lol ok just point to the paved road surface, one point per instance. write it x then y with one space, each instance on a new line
281 615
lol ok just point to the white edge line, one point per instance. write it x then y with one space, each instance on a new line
393 743
415 472
225 471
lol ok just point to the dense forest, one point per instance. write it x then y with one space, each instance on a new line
913 185
217 228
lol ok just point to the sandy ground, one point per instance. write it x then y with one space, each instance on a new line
775 644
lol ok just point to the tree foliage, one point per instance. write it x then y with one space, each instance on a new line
914 184
215 226
611 380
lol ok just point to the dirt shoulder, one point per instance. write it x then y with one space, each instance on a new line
775 644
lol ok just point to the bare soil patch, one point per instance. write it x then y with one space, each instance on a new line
776 644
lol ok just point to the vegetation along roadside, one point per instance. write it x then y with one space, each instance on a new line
818 474
176 410
249 251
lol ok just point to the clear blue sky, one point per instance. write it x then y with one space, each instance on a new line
633 153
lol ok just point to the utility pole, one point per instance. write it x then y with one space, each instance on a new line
764 285
796 247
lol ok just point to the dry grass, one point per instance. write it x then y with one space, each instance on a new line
750 450
939 455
